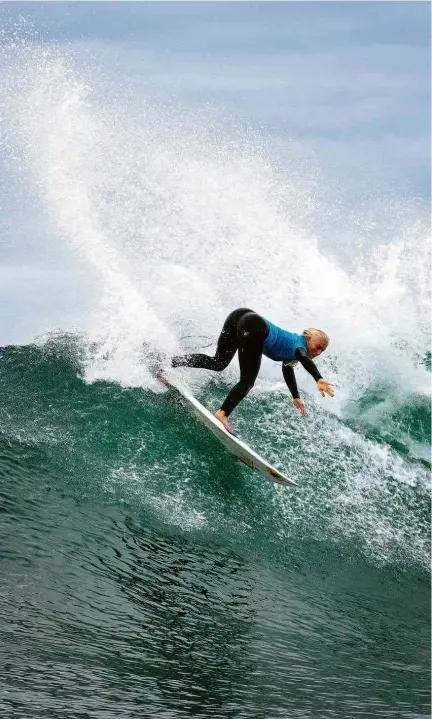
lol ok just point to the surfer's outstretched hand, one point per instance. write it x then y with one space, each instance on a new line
298 404
325 388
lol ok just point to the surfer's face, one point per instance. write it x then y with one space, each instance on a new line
315 347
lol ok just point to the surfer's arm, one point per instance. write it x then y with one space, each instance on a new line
290 380
289 377
310 366
307 363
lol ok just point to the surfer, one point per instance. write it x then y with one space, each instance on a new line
253 336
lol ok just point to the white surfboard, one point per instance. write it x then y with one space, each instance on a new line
239 449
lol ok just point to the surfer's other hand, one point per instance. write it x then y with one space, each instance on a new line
325 388
298 404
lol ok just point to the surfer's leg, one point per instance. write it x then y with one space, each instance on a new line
225 351
251 334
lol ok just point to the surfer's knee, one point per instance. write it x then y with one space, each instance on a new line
220 364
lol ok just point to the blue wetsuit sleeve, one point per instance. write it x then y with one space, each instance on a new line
289 377
307 363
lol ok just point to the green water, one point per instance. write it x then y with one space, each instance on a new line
144 573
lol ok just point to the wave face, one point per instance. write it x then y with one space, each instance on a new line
152 571
356 492
144 571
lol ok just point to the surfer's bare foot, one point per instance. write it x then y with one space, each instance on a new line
221 416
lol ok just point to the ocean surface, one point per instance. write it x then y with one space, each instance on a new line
143 572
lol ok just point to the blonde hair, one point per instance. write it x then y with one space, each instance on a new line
320 335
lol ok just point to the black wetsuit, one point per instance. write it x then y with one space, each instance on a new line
245 331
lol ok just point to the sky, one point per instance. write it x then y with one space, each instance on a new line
349 82
350 79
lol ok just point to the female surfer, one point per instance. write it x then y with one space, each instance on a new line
253 336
